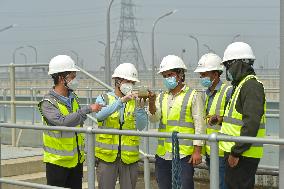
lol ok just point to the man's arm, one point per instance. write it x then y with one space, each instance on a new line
54 117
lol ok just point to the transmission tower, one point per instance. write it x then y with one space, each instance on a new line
127 48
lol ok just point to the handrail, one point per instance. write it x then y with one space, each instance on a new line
213 138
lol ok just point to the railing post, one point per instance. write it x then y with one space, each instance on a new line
147 176
13 105
5 105
32 106
90 158
214 161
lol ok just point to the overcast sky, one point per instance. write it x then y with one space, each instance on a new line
58 26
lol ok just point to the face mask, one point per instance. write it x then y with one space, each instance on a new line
73 84
170 82
206 82
229 76
126 88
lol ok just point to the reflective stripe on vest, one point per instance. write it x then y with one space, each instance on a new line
179 119
60 147
232 124
107 145
217 108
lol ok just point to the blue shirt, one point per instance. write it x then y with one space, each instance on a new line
212 94
66 100
140 113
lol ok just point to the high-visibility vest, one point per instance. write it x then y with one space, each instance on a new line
217 108
179 119
107 145
232 124
61 147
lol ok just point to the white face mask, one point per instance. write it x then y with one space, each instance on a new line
126 88
73 84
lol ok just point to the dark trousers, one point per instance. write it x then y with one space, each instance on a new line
64 177
163 171
242 176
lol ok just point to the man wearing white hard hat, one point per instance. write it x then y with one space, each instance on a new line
180 109
64 151
244 116
217 96
118 155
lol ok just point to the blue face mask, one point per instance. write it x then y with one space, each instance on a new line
170 82
206 82
229 76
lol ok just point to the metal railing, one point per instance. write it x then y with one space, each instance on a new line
90 131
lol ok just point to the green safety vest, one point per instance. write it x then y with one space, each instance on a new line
107 145
179 119
61 147
232 124
217 108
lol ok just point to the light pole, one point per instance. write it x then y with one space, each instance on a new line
77 56
14 53
208 48
8 27
153 44
26 61
197 46
35 52
235 37
107 62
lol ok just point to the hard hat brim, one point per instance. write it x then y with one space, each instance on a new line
66 70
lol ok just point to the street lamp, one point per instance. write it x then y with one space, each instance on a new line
8 27
153 44
197 46
77 56
235 37
208 48
26 61
14 53
107 61
35 52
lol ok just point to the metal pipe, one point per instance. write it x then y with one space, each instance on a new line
281 101
214 161
107 62
153 44
90 158
146 162
235 37
28 184
23 65
13 99
8 27
96 79
77 56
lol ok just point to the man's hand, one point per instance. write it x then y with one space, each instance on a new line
233 161
128 97
141 103
152 101
214 119
96 107
196 158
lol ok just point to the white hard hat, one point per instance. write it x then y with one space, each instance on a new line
126 71
171 62
238 50
209 62
61 63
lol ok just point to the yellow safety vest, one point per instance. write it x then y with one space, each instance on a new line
61 147
232 124
179 119
107 145
217 108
